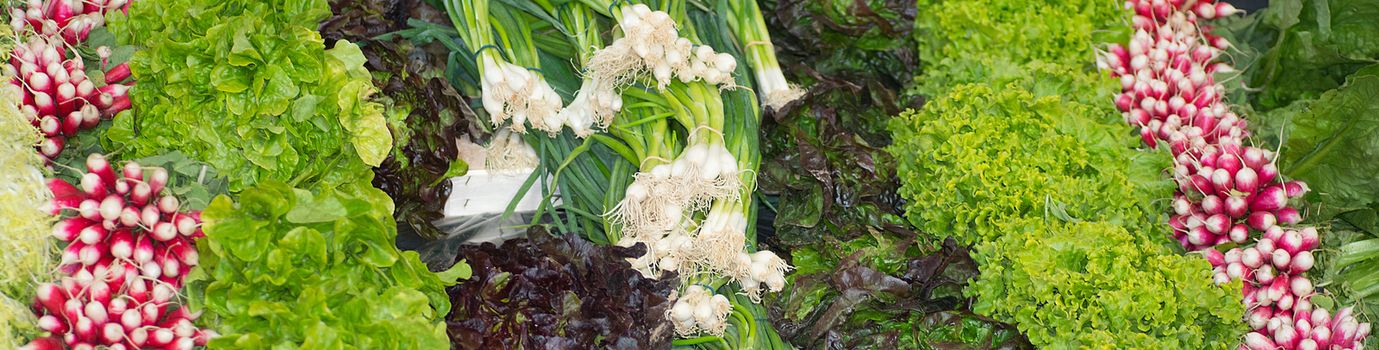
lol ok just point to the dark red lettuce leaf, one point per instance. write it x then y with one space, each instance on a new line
548 292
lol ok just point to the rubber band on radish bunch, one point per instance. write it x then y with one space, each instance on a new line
1228 192
129 250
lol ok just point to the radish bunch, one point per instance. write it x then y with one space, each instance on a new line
1279 296
1227 192
73 20
127 254
58 97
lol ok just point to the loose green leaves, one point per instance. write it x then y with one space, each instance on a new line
249 88
287 267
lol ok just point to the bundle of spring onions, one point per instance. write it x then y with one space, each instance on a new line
661 148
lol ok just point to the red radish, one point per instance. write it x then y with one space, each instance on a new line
1280 258
1239 233
45 343
131 319
157 180
1295 189
111 207
143 249
140 194
122 244
1288 215
1251 258
150 216
1212 204
168 204
138 336
1310 239
133 171
96 312
164 231
1261 220
1218 224
99 292
118 73
92 185
1291 242
1300 285
129 216
70 229
1264 274
52 324
186 225
113 333
117 307
1302 262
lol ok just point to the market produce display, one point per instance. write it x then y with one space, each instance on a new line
677 174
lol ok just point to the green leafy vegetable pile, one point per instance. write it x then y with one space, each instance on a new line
425 113
862 280
1020 154
249 88
558 292
291 267
986 154
1067 243
26 254
978 41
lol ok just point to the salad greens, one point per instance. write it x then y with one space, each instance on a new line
249 88
28 255
1065 232
424 112
545 291
284 266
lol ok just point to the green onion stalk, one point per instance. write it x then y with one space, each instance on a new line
749 28
513 88
690 202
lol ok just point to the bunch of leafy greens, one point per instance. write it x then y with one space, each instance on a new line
993 40
28 254
1299 49
425 113
862 280
1311 80
1332 143
545 292
983 155
249 88
1003 167
291 268
1093 284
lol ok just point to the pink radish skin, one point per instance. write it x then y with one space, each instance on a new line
1261 220
1288 216
164 231
143 249
168 204
1302 262
1310 239
1280 258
